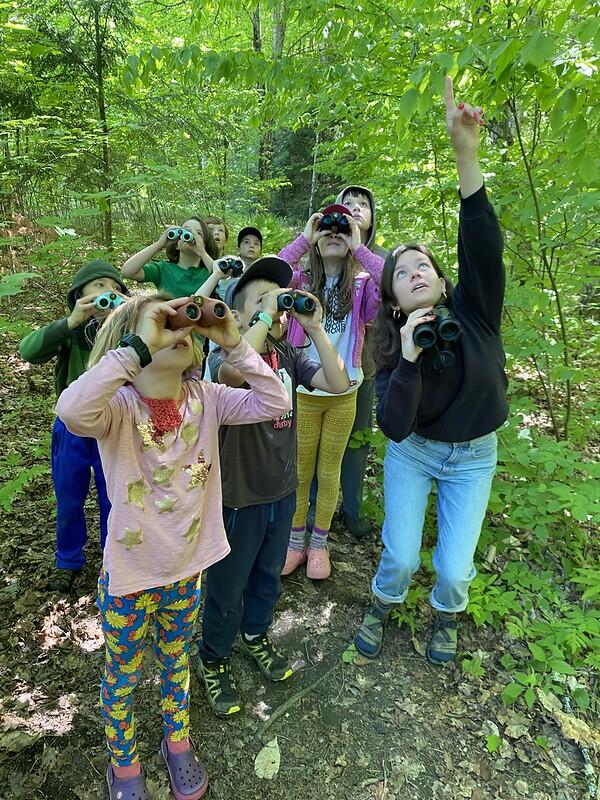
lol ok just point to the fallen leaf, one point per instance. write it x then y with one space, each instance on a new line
266 763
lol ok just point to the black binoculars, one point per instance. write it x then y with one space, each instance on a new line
299 302
180 233
234 266
334 222
444 327
107 301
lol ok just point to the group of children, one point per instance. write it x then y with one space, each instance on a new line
222 476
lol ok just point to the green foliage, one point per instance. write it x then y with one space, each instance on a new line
10 490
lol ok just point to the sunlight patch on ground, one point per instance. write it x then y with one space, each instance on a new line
318 619
57 720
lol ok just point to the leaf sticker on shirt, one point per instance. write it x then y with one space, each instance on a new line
130 539
198 472
162 475
136 492
166 504
193 530
189 433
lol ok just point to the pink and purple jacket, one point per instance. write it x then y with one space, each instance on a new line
366 297
166 521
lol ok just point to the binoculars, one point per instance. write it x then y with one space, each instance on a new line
444 327
107 301
199 311
180 233
334 222
234 266
299 302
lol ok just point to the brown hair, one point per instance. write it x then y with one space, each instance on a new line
218 221
124 319
172 250
345 282
385 343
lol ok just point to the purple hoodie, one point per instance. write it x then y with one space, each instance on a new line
366 297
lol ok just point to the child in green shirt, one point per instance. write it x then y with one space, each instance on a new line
188 264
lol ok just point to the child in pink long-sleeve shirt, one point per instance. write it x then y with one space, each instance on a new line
345 276
157 430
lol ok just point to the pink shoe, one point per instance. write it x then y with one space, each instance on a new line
293 560
318 565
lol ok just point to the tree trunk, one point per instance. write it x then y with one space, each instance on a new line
107 214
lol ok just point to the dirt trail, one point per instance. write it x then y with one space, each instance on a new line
392 728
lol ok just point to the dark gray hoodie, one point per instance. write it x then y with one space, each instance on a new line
368 364
370 242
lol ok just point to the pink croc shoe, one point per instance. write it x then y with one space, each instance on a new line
293 560
318 565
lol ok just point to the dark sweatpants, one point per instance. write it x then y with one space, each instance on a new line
243 588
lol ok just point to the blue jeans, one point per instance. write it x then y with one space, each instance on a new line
73 458
463 473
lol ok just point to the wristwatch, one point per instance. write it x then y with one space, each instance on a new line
261 316
140 347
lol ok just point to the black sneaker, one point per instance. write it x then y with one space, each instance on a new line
220 687
273 664
357 527
61 580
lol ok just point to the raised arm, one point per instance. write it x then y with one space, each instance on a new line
266 399
134 267
481 276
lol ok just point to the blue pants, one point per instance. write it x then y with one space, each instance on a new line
73 458
243 588
463 473
355 458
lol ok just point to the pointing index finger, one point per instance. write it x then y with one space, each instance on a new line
449 94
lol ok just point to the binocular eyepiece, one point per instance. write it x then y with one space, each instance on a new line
444 327
230 264
201 310
299 302
180 233
107 301
334 222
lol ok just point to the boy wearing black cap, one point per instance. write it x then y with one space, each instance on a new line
250 242
70 339
258 469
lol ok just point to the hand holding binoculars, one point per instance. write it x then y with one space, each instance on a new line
199 311
334 222
231 266
294 300
444 327
180 233
107 301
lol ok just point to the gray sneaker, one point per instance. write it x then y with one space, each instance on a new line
369 639
442 647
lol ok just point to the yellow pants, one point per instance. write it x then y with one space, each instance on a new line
324 426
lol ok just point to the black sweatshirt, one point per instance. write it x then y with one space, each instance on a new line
468 399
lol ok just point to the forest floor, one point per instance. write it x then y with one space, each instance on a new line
387 729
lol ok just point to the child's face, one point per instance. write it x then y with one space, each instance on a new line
250 248
97 287
194 226
218 232
332 245
175 358
361 209
254 302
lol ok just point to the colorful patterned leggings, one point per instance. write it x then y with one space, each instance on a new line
125 622
324 425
